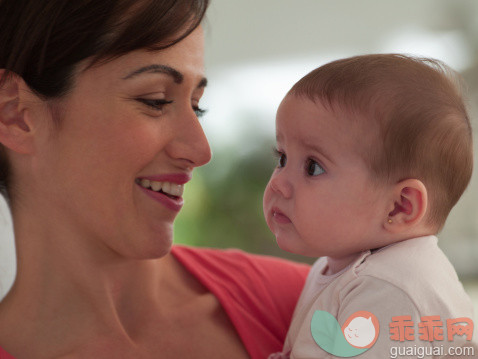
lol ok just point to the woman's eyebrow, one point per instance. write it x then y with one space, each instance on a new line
177 76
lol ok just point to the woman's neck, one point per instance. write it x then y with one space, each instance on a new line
66 288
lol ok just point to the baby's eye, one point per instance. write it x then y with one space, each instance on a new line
313 168
282 159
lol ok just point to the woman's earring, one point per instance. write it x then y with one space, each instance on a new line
390 221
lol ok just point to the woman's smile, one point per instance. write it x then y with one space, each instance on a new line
166 189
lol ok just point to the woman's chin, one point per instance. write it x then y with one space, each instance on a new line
151 245
158 247
150 251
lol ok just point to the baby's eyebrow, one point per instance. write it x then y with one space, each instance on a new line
317 148
310 145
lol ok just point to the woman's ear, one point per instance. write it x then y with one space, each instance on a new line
15 131
408 207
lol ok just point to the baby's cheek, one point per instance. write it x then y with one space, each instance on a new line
267 196
266 202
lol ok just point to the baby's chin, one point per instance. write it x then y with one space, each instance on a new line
290 245
285 243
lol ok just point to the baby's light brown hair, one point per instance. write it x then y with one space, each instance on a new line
416 108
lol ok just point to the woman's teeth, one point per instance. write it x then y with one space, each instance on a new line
169 188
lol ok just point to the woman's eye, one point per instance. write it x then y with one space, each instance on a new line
156 104
313 168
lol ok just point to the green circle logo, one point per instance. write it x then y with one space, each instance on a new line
358 334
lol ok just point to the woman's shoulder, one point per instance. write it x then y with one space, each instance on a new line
5 355
245 267
250 280
258 292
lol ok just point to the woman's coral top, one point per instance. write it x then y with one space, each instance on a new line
257 292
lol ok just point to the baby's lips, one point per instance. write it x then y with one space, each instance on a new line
279 216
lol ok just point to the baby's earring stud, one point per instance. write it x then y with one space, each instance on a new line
390 221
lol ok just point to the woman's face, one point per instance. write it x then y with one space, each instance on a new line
127 125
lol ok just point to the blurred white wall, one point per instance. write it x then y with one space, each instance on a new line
7 250
257 49
267 30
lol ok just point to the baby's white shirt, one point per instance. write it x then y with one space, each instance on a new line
409 278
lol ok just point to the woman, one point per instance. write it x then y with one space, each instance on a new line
98 135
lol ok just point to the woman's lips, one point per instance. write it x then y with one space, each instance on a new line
279 217
179 178
172 202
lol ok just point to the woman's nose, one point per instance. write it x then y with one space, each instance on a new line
280 183
190 143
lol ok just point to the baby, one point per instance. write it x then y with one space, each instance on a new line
374 151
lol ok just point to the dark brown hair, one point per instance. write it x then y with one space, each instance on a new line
416 108
43 41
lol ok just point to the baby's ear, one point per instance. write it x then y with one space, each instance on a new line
408 207
15 132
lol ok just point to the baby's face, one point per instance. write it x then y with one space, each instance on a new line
321 199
